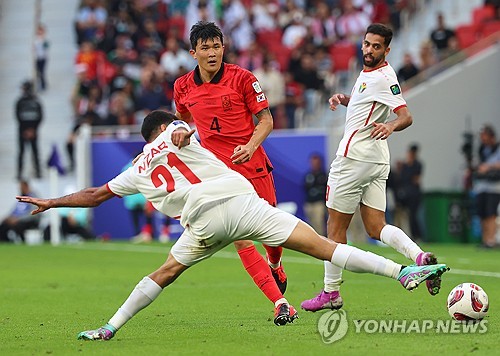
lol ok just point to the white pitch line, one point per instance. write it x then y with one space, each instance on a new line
232 255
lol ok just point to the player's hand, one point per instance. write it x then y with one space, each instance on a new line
242 154
381 131
181 137
335 101
42 204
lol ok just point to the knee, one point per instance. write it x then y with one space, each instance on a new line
240 245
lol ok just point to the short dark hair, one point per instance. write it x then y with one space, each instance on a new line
414 148
205 31
27 86
153 121
381 30
489 130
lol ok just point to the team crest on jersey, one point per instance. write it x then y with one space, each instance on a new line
256 87
362 87
395 89
226 103
260 98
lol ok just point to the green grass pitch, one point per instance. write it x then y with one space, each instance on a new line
49 294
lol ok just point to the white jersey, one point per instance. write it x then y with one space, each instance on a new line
179 181
374 95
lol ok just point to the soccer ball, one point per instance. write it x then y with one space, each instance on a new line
467 301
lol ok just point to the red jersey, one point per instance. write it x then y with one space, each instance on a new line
222 112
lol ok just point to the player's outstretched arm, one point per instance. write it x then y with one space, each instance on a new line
86 198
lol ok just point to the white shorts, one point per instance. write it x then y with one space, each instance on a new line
351 182
217 224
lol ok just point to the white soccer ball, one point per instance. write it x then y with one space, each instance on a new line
467 301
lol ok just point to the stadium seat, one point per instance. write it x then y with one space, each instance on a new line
269 39
179 22
482 14
342 54
490 28
282 55
467 35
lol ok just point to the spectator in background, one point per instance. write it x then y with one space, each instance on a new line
294 99
409 193
93 102
90 21
264 15
322 26
315 189
124 51
151 94
272 83
19 219
74 221
199 10
175 61
440 36
29 115
252 58
150 37
294 34
237 24
307 75
87 56
41 49
427 56
408 70
487 185
351 25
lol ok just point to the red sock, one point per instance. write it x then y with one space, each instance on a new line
274 253
260 272
147 229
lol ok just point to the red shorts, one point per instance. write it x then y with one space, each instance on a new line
264 186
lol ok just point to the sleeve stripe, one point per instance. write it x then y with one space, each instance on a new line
109 189
399 107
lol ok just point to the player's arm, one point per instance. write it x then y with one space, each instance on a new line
383 131
243 153
183 116
86 198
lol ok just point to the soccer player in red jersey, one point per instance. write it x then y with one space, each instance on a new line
221 98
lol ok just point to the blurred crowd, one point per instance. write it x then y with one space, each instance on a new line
131 51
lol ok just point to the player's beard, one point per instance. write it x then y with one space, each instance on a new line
375 61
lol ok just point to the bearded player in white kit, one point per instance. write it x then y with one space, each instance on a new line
216 206
359 172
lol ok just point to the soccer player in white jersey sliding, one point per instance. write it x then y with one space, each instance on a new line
216 206
359 172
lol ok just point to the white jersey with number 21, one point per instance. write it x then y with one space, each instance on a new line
179 181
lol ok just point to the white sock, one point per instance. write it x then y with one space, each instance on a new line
333 277
143 294
398 240
356 260
273 265
280 301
